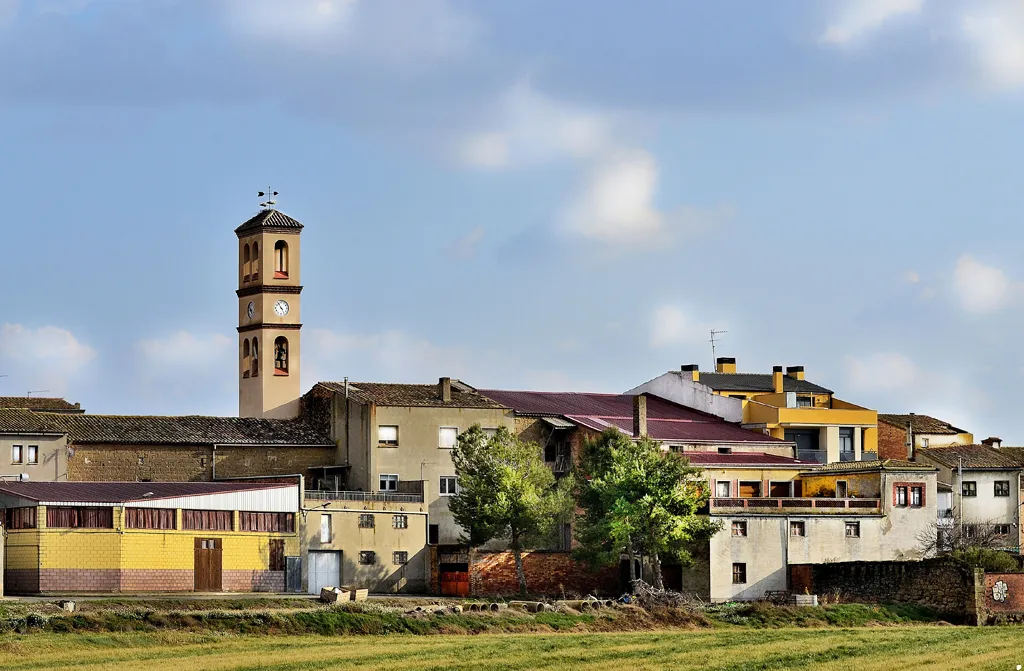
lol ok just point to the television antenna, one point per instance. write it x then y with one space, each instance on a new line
714 340
268 198
29 393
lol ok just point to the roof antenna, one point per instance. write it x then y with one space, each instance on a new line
713 341
268 196
28 394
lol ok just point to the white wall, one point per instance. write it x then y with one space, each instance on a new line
986 507
680 388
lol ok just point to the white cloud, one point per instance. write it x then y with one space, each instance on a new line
912 277
995 30
670 325
465 247
292 18
47 357
617 204
861 17
980 288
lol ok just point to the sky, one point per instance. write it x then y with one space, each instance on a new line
534 195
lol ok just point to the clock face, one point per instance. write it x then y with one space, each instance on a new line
251 310
281 308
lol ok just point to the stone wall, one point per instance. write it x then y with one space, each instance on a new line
941 584
549 573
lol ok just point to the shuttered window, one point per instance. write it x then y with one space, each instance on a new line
20 518
80 518
277 554
271 522
149 518
206 520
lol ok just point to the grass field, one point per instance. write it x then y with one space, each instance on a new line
729 648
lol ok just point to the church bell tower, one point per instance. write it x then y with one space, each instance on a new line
268 315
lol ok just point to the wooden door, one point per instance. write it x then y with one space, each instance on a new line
841 489
208 565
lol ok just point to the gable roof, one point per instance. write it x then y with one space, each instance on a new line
120 492
412 395
666 421
38 403
922 424
19 420
269 220
972 456
759 382
875 465
758 459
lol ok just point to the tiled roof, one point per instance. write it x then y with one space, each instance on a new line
118 492
412 395
922 424
37 403
972 456
268 219
666 421
17 420
759 459
876 465
760 382
1015 453
183 430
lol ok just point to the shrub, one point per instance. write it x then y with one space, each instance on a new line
993 561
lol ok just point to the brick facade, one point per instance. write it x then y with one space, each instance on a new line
892 441
21 581
29 581
551 573
79 580
252 581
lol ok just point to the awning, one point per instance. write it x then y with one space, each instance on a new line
558 423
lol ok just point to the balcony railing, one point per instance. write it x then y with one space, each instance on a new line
799 504
945 513
379 497
816 456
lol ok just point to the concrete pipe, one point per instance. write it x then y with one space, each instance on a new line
493 607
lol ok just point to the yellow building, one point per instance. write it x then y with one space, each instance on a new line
148 536
785 405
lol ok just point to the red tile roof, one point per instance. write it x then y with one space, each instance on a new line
666 421
743 459
119 492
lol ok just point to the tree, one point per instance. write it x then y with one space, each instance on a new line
637 499
977 544
506 491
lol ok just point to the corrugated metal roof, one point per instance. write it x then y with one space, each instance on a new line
121 492
759 459
558 423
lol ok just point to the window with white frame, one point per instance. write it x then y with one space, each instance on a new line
32 454
797 529
388 482
400 521
367 521
325 528
853 529
399 557
739 528
722 489
387 435
447 485
447 436
16 454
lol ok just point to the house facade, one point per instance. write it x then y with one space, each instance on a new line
899 436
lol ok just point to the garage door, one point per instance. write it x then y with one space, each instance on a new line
324 570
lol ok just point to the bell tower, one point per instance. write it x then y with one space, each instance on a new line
268 315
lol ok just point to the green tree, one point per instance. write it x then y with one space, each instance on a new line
506 491
637 499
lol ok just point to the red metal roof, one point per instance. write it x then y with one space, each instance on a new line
666 421
743 459
119 492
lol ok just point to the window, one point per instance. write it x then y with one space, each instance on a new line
846 444
207 520
400 521
739 574
325 528
367 557
797 529
20 518
246 358
32 454
366 521
725 450
276 548
853 529
924 442
917 496
1001 529
280 355
270 522
490 433
739 528
1002 487
255 357
804 401
388 482
448 485
79 518
280 260
433 533
751 489
400 558
16 455
149 518
255 261
722 489
447 437
780 490
246 264
387 436
901 496
969 488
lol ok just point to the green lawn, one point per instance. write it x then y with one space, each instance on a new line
861 649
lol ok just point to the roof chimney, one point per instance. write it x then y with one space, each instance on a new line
725 364
693 369
640 416
795 372
992 441
444 389
777 380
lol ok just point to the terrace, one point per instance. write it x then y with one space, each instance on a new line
799 505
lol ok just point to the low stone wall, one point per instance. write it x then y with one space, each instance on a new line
941 584
552 573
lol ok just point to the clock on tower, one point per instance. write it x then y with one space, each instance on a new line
268 315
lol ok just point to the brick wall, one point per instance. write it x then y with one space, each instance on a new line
177 463
157 580
252 581
79 580
551 573
892 441
21 581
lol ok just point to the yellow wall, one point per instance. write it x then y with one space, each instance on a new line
859 485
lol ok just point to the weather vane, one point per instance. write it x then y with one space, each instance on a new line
268 197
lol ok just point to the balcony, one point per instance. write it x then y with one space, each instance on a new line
814 456
797 505
362 497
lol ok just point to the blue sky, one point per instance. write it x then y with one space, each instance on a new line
531 194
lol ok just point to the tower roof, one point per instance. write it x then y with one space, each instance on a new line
273 220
